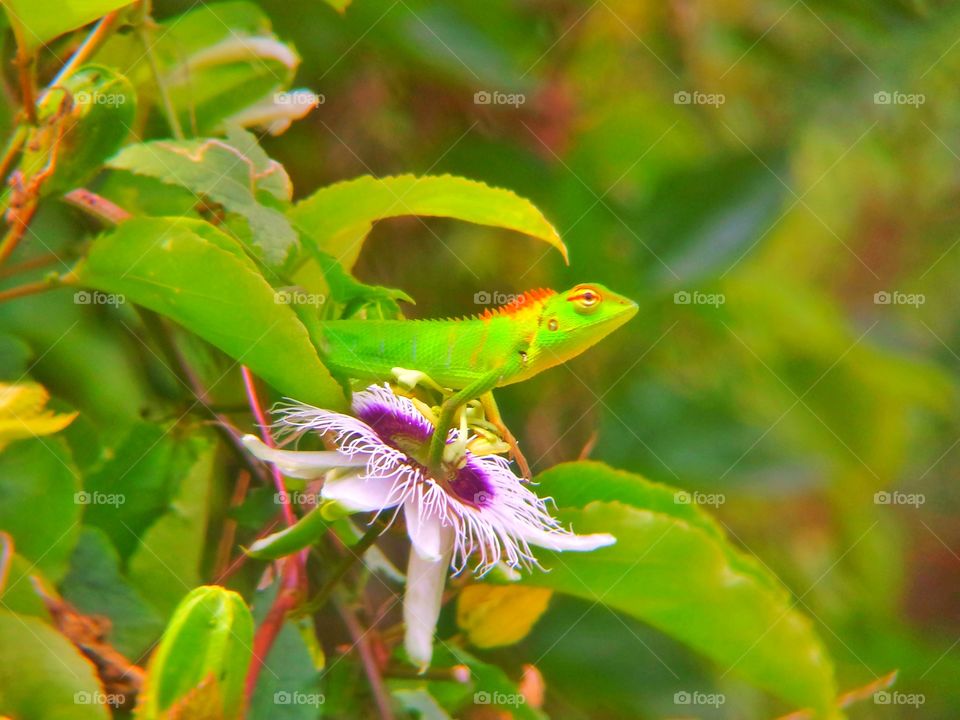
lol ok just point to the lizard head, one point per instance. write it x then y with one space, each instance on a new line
572 321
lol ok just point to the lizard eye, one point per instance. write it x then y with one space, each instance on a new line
585 298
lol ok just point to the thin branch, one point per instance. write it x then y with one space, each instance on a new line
105 211
39 286
100 32
354 553
370 666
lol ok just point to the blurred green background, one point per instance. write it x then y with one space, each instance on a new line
786 187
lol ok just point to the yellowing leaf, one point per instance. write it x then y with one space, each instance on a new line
22 413
497 615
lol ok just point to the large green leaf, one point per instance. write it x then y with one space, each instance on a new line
168 558
39 503
39 21
232 172
43 676
95 586
338 217
673 568
196 275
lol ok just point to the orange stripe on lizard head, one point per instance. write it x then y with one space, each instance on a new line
524 301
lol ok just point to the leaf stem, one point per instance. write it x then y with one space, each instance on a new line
144 25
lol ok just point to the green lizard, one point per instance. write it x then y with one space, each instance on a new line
538 330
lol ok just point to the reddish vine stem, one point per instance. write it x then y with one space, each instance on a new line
101 31
291 567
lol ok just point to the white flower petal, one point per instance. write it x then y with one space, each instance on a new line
424 528
421 601
563 540
358 493
299 464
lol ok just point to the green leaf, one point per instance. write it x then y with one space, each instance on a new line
36 22
142 474
206 644
17 593
39 505
43 676
167 560
338 218
304 532
672 568
166 264
95 586
215 60
81 123
233 174
489 687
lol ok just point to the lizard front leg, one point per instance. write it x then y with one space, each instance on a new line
492 414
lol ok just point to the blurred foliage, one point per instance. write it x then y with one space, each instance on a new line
774 183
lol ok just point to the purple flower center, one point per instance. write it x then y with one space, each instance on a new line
472 484
396 428
410 433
